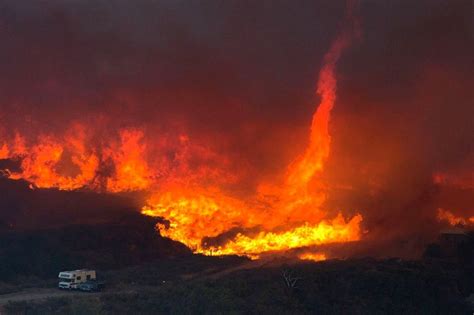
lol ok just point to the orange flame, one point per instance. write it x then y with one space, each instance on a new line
287 215
196 213
64 164
201 214
444 215
312 256
131 169
336 230
304 168
4 151
71 161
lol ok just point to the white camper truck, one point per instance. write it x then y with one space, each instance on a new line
71 279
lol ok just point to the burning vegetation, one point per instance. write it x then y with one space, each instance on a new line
216 200
294 218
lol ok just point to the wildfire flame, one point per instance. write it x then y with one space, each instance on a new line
294 220
444 215
131 169
70 162
312 256
280 216
336 230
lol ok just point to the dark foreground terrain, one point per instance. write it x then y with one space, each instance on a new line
148 274
217 285
183 284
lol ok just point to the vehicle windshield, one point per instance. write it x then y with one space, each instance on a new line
65 280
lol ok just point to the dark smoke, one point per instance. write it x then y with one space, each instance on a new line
240 77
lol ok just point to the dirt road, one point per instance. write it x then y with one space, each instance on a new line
37 294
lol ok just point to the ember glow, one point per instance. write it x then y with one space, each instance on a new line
312 256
